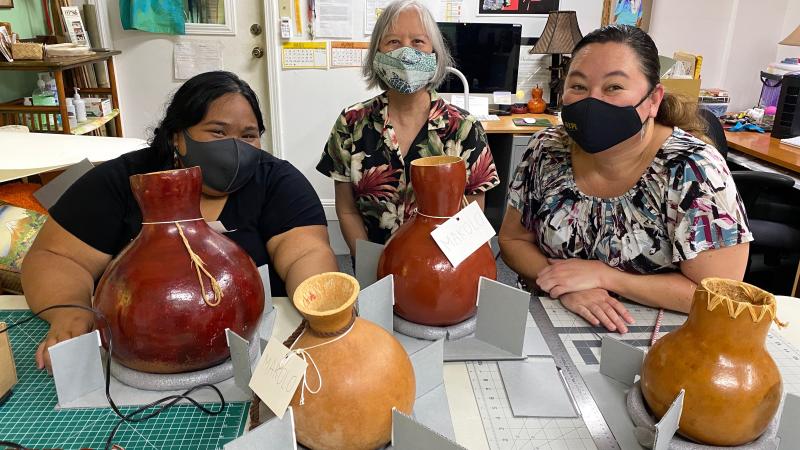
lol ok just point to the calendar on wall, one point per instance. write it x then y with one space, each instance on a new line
348 54
304 55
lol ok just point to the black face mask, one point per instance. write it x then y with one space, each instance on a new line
227 164
596 125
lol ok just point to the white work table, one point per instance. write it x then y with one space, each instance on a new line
468 427
25 154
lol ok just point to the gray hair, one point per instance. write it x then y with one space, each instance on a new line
386 20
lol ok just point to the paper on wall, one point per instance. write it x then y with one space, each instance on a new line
348 54
192 57
450 10
304 55
478 106
333 18
372 10
532 72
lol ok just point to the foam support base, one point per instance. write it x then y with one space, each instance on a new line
645 428
432 333
178 381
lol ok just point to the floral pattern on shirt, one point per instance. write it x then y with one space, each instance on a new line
685 203
363 150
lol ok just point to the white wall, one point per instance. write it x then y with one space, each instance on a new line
752 49
699 27
737 39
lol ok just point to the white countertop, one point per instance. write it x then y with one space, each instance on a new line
463 408
24 154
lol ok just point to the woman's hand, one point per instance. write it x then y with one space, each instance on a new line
66 325
61 269
597 307
563 276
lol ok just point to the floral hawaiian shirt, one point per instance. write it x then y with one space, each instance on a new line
363 150
685 203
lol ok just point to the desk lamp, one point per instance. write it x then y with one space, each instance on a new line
793 38
561 34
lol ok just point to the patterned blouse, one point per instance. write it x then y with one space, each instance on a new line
685 203
363 150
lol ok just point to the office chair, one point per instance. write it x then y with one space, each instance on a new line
714 131
776 236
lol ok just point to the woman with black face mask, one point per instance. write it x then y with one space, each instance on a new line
267 206
622 199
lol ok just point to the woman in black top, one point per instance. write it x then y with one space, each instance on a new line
268 206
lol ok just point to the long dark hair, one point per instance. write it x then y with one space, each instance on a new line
190 103
675 110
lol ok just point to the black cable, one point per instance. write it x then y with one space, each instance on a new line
164 403
9 444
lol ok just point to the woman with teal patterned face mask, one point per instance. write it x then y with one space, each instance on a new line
372 143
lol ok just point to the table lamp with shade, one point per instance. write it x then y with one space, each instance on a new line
793 38
560 35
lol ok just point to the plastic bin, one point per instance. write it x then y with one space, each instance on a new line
718 109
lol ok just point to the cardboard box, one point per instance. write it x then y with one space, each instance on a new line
8 371
97 107
688 87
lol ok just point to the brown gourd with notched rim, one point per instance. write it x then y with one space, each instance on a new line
364 372
428 289
733 386
158 300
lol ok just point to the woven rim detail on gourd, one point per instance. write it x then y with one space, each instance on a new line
737 307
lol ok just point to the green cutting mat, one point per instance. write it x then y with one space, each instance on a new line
29 417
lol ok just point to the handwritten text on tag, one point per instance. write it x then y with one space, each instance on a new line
277 375
463 233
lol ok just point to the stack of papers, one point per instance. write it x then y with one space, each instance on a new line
794 142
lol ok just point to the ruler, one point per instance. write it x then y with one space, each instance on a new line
587 408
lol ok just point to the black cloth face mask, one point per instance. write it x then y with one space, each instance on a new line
597 126
227 164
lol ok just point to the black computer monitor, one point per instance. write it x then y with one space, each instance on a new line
487 54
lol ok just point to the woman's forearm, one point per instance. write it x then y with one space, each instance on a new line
350 221
523 257
352 226
673 291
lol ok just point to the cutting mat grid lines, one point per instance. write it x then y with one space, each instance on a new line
583 342
29 417
506 432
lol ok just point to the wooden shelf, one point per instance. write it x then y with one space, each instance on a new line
94 123
56 63
15 113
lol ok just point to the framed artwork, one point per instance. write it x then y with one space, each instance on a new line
627 12
6 3
517 7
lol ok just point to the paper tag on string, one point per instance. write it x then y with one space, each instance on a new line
277 376
463 233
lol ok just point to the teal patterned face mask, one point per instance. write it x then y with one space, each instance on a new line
405 69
